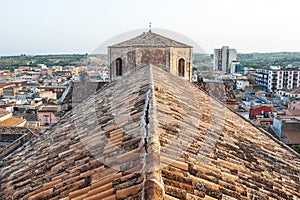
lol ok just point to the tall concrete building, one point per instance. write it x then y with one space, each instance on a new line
225 60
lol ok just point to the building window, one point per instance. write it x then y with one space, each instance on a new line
181 67
118 67
47 120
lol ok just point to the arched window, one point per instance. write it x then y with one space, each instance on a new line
118 67
181 67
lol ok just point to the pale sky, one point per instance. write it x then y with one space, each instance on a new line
80 26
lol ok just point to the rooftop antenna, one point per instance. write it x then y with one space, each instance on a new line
150 24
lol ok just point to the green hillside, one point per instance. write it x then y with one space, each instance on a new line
263 60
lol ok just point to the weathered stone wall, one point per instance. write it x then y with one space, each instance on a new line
165 57
113 54
186 54
150 55
290 126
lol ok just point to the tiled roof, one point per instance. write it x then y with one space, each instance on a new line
2 85
219 90
14 130
11 138
150 39
292 91
48 108
12 121
79 91
3 112
151 135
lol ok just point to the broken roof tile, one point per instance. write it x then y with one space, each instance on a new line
152 135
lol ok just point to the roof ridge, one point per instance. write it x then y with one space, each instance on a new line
151 135
150 39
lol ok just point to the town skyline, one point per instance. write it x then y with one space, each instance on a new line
67 27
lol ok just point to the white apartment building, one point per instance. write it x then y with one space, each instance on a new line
277 78
225 59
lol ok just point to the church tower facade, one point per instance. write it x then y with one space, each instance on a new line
150 48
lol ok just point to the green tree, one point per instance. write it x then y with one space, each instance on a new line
296 148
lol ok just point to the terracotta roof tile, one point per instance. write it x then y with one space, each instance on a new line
151 135
12 122
219 90
3 112
151 39
2 85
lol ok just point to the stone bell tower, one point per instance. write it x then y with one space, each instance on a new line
150 48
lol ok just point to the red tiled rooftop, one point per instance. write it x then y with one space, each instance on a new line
150 135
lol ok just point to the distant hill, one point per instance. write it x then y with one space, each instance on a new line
203 62
254 60
11 62
263 60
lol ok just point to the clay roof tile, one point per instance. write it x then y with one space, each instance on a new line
177 143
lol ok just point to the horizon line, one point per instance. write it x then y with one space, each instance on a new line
56 54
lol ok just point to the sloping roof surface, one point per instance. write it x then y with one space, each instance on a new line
2 85
152 135
220 90
150 39
12 121
3 112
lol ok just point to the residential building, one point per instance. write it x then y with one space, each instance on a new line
234 66
260 111
242 83
278 78
10 90
288 130
294 106
47 115
292 111
225 60
4 115
286 125
14 121
292 93
253 88
8 120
